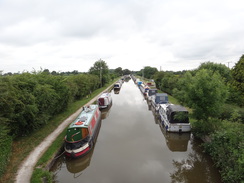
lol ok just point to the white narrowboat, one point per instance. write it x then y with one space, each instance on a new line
117 85
151 93
104 100
174 118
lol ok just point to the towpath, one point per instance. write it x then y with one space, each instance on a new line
25 171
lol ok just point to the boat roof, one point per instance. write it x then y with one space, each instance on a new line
161 94
174 108
84 118
104 95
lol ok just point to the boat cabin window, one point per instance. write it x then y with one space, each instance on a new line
178 117
84 132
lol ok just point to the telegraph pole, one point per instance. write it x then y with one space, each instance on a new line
228 64
100 61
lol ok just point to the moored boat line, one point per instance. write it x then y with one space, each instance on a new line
173 117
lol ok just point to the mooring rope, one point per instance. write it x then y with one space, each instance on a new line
59 155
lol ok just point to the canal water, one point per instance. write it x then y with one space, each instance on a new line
132 147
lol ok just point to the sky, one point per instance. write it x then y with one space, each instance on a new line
68 35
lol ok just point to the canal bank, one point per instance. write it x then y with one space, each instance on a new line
26 168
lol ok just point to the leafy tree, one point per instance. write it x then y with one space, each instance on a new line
238 79
54 73
149 72
168 82
119 71
205 93
46 71
101 70
222 69
126 72
158 77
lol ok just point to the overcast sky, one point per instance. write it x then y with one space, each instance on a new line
67 35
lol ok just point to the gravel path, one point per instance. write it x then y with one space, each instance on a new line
26 169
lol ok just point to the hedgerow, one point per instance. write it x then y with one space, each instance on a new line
29 100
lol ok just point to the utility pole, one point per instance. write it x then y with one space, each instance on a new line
143 73
228 64
100 61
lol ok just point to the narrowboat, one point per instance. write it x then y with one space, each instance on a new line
139 82
151 93
157 99
82 132
144 89
104 100
174 118
117 85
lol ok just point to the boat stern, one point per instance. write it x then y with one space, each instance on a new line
179 128
75 153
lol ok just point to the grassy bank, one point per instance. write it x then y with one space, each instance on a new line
24 145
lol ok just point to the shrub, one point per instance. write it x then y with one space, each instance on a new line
227 151
5 144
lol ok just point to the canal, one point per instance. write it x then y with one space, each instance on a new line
132 147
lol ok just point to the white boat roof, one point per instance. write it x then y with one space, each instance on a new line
104 95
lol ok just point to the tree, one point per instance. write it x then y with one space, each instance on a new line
205 93
158 77
222 69
238 78
119 71
100 69
149 72
126 72
168 82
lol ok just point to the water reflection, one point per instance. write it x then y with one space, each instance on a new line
176 142
116 91
76 166
196 168
105 112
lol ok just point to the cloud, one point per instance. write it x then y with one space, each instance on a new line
72 35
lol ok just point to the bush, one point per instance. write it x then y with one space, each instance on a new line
201 128
227 151
232 113
5 144
28 101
